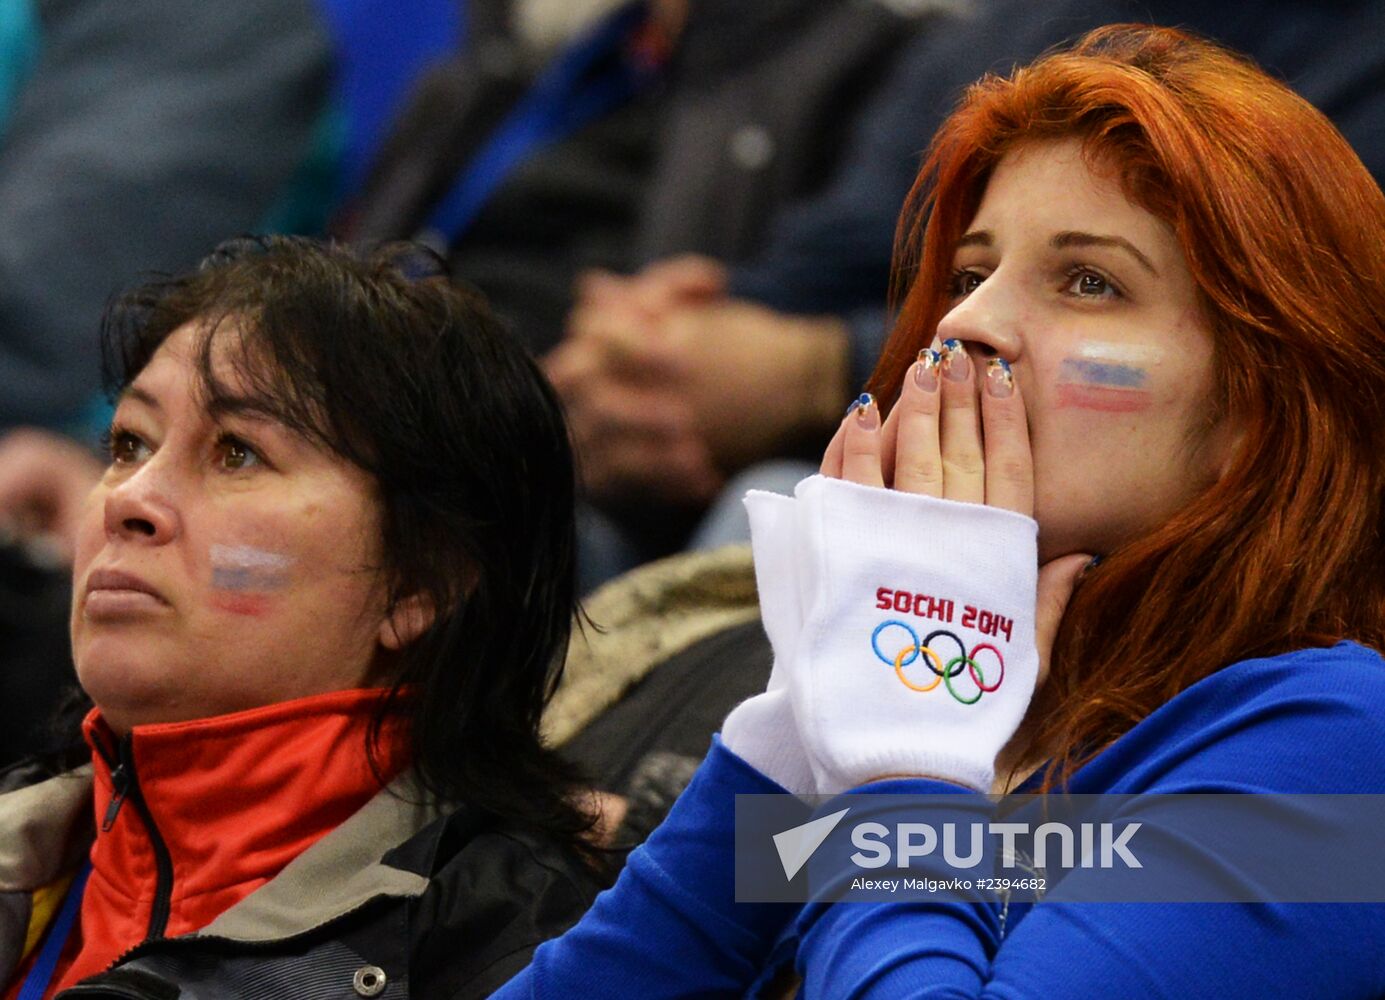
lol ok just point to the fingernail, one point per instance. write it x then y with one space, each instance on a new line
1092 564
867 415
956 364
1000 381
926 370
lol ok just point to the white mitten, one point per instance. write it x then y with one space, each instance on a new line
917 653
761 729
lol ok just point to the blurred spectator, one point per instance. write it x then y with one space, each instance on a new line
660 129
695 369
671 126
132 137
135 135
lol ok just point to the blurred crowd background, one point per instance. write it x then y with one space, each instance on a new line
685 208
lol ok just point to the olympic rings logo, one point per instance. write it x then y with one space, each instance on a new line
943 673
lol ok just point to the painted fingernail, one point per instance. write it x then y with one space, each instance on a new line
1000 381
956 364
1092 564
926 369
867 414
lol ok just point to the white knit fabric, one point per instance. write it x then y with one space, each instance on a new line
761 730
880 573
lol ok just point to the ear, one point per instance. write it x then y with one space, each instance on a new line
409 620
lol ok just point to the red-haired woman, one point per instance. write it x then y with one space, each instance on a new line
1156 282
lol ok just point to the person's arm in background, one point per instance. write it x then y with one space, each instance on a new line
145 133
663 365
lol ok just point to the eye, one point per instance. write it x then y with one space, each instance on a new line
964 282
124 447
1086 283
234 454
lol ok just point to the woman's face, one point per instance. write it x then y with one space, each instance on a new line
223 562
1090 298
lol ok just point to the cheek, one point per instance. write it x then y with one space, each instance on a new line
302 564
1105 378
249 580
91 532
1089 402
1110 444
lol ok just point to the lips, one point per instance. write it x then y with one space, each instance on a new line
118 581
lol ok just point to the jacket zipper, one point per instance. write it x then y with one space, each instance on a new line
125 783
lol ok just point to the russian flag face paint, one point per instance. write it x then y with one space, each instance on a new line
242 575
1107 378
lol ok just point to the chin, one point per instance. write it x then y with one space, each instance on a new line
123 684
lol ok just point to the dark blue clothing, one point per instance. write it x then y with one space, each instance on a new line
1303 722
832 254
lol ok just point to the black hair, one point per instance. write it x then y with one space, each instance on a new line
381 359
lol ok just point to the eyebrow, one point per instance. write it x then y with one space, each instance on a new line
1065 239
249 407
260 411
1075 239
141 396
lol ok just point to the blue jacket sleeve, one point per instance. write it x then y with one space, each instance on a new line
670 926
1307 722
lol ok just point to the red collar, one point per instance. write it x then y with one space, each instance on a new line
233 800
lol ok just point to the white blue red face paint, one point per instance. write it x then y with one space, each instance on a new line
1107 378
244 576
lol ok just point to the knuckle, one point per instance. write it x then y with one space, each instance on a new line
1011 468
918 408
968 464
1006 420
924 471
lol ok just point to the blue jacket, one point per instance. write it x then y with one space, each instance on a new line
1308 721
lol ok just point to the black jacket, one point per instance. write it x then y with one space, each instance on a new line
401 900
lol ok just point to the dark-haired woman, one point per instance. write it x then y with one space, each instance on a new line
318 598
1144 320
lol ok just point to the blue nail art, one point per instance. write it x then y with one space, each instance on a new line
865 399
951 344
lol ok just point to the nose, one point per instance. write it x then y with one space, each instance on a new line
988 320
138 509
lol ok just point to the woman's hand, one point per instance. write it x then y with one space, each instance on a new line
932 442
905 629
946 439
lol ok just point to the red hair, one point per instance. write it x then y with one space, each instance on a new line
1283 229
